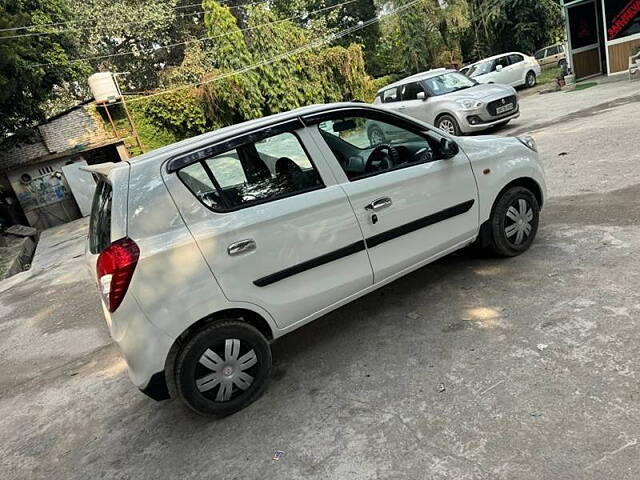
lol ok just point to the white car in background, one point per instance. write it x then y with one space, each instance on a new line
513 68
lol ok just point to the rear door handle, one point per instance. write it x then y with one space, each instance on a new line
243 246
379 204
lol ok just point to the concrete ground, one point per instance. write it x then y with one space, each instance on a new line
471 368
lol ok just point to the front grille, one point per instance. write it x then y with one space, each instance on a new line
492 106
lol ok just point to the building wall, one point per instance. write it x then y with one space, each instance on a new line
619 55
76 128
43 193
586 63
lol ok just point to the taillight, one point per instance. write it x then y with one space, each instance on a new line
115 268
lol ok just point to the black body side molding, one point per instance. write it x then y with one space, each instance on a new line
370 242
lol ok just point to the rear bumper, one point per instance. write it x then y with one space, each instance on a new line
157 387
144 347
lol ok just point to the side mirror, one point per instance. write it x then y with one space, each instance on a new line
448 148
499 68
421 96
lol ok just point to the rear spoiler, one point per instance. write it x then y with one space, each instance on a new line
102 169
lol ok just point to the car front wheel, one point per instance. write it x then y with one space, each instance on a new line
514 222
448 124
222 368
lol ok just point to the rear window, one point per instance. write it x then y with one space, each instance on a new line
100 223
273 168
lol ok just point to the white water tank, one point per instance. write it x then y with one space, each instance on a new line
103 87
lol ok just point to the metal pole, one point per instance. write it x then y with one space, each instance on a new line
115 132
124 104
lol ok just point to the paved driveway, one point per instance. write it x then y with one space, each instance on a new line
471 368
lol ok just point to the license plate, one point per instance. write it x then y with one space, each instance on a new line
504 108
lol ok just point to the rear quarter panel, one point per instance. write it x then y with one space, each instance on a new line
172 282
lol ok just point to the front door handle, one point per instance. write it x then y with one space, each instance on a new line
243 246
379 204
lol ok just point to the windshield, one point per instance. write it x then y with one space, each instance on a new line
481 68
448 83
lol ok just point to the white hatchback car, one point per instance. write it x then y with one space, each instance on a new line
514 69
207 250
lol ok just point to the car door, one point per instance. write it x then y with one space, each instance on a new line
553 55
517 69
412 101
540 56
274 226
411 208
498 73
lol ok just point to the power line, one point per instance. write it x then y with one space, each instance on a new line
186 42
313 44
132 22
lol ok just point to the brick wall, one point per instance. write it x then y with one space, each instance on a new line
76 127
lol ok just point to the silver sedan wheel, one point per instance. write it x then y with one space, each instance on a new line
228 372
448 126
531 79
518 224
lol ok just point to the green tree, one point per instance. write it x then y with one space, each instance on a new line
527 25
425 36
337 19
25 89
503 25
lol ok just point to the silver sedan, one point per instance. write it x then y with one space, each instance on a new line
448 100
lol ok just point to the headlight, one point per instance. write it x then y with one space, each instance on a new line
528 141
469 103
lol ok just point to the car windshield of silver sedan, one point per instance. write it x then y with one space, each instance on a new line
448 83
480 68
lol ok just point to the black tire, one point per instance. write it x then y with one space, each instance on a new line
507 245
214 337
448 124
530 80
376 136
562 64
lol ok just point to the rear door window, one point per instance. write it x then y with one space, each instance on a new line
515 58
100 223
253 173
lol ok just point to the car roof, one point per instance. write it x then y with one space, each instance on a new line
417 77
231 131
501 55
559 44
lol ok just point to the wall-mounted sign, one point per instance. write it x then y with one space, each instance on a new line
623 18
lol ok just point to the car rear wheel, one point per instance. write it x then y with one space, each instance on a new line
448 124
562 64
531 79
223 368
514 222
